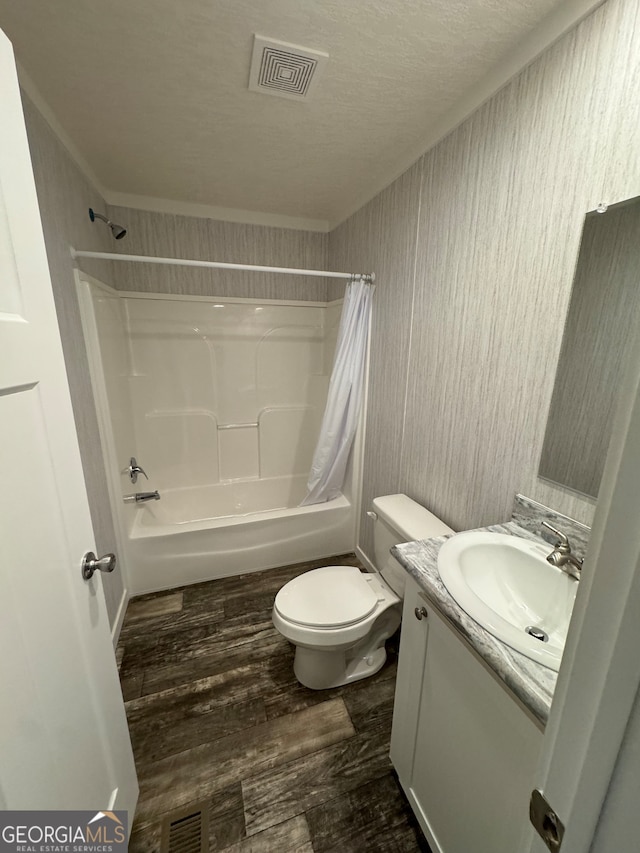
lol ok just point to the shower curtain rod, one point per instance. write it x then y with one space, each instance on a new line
183 262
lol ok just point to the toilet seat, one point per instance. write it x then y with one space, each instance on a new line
339 618
330 597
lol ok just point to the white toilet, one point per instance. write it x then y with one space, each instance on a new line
338 617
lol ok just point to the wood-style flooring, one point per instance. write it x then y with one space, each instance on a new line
216 714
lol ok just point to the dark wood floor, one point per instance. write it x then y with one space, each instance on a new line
216 714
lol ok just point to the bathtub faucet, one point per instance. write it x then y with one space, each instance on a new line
133 470
142 497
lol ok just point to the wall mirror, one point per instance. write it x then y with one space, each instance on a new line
602 321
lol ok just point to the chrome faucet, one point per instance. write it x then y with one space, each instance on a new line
133 469
142 497
561 555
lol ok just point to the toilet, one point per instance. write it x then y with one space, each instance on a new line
338 617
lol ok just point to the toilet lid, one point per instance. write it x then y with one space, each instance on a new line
329 597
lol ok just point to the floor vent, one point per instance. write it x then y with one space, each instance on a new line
186 830
285 70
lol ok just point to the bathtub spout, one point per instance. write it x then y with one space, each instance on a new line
142 497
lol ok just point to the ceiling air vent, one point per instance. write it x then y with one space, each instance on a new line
285 70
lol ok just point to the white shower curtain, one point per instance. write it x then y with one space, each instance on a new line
340 419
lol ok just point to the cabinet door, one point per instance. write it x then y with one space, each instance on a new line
413 647
475 752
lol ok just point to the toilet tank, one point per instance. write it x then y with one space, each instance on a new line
399 519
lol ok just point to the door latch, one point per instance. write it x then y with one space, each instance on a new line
545 821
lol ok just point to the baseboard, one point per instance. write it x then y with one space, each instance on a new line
117 622
366 562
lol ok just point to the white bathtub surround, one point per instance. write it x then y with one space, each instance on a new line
220 401
346 390
225 390
103 326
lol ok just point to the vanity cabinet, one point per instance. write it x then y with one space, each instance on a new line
464 749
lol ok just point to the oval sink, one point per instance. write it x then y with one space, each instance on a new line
507 586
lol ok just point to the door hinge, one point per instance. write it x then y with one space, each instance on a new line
545 821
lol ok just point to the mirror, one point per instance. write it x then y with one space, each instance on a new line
602 320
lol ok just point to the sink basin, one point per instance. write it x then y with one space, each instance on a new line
506 585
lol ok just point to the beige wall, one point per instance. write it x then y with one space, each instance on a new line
172 236
474 249
64 196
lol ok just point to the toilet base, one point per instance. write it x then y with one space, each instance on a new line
320 670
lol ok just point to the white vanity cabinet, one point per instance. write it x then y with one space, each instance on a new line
465 751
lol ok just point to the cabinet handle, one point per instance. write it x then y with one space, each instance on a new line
421 612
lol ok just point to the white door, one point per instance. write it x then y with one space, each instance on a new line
64 742
588 740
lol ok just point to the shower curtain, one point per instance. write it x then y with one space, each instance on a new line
340 419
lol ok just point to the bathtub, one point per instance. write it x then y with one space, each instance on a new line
202 533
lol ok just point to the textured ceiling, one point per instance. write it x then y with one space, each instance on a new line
153 93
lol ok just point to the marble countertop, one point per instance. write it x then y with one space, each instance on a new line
532 683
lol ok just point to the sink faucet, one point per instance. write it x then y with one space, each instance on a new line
561 555
142 497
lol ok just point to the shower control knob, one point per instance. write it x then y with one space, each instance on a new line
91 564
421 613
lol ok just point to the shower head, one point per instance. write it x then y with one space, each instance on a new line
117 230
